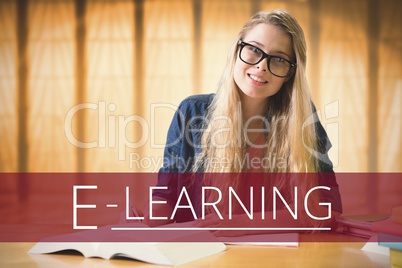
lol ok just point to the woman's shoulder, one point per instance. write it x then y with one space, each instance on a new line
199 99
196 103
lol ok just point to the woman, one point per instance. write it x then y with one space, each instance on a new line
259 112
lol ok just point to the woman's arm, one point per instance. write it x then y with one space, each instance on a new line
159 211
283 220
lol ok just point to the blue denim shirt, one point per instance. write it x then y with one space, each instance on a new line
183 139
183 145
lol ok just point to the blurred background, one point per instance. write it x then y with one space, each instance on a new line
122 57
91 85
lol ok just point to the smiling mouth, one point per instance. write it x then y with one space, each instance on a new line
257 79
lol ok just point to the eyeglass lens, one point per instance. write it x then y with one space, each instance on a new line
276 65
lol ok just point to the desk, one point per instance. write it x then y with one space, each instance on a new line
308 254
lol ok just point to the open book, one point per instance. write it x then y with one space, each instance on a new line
174 246
132 244
158 253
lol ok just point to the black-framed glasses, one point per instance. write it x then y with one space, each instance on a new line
253 55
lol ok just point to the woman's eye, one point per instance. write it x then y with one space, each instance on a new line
255 50
278 59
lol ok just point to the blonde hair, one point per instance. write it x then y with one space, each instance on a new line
286 112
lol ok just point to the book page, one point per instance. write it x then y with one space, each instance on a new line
163 253
146 252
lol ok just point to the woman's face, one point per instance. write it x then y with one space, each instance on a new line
256 81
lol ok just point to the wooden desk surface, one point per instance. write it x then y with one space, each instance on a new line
308 254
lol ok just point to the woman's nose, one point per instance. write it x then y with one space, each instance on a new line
263 65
